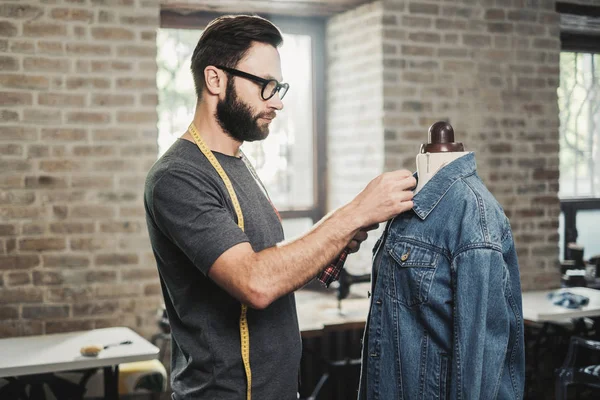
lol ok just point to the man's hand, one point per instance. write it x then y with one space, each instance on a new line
360 237
384 197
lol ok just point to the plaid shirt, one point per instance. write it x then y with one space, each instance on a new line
332 272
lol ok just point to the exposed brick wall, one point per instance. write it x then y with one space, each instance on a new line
77 136
491 68
354 109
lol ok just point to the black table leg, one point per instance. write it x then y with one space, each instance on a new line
111 383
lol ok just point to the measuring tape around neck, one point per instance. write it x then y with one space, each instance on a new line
244 331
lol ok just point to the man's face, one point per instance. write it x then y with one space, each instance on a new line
238 119
242 113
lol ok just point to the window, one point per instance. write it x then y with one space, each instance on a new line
290 162
579 105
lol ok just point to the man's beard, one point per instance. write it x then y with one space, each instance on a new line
236 119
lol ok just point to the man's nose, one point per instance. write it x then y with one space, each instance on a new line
275 102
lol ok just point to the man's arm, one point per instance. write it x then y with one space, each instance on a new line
259 278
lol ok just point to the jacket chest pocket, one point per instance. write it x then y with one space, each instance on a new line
412 268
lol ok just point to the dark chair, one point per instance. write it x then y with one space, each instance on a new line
573 373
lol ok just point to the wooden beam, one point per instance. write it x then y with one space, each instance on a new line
297 8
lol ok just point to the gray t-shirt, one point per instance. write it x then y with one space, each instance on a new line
191 222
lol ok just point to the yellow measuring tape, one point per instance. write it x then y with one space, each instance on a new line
244 332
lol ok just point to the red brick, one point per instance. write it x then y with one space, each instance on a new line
111 66
45 64
142 20
139 274
92 244
20 278
89 182
66 261
45 312
96 151
72 14
8 63
62 165
8 29
64 134
17 81
83 117
21 212
80 49
120 227
45 182
10 329
74 83
20 11
422 8
95 309
11 150
43 278
44 29
43 244
118 290
20 261
21 295
70 294
136 51
112 100
50 47
152 289
116 259
113 135
112 34
42 115
136 83
69 326
15 99
9 312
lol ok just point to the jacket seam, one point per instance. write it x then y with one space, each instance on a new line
481 207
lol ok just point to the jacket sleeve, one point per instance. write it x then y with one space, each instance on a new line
481 326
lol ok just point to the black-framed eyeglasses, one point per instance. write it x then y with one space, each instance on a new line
269 86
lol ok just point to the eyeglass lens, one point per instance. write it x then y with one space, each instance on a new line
270 89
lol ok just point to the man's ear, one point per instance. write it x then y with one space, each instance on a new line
214 80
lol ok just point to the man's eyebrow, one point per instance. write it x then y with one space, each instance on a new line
269 76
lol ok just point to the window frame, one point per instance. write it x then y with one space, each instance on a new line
585 43
315 28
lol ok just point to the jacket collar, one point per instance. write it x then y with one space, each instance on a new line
430 195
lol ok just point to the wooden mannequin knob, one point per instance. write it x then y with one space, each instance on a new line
441 139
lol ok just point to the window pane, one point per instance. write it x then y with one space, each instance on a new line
579 105
284 161
588 232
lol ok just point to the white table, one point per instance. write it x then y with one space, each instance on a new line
538 308
318 309
61 352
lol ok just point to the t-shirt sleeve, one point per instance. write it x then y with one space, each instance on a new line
188 209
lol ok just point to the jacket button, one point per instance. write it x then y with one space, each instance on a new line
405 255
378 302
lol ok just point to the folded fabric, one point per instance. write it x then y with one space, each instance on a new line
568 299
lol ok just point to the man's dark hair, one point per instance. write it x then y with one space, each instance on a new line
227 39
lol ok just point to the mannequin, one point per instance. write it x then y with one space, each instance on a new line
440 150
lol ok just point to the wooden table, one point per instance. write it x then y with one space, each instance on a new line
47 354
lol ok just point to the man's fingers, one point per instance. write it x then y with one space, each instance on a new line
370 227
408 183
400 174
361 236
354 246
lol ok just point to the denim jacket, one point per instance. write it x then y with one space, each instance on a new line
446 318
